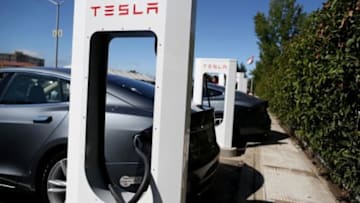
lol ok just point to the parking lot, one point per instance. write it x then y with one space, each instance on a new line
273 169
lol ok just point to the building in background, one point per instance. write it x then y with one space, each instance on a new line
19 59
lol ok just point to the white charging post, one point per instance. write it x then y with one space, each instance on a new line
222 79
241 82
96 22
224 67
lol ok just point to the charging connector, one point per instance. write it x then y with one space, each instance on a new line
147 178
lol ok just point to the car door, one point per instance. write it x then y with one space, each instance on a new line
31 107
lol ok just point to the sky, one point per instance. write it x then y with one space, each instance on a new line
224 29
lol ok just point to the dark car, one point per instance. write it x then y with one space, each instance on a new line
250 116
34 105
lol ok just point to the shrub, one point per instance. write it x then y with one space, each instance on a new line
315 88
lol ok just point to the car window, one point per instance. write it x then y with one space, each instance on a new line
65 87
211 92
33 89
4 78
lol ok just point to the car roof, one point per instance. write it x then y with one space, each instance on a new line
241 98
64 72
140 93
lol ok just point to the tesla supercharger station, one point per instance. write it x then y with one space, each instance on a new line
241 82
223 67
96 22
222 79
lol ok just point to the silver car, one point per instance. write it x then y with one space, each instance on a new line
34 106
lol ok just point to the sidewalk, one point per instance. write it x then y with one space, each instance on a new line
284 171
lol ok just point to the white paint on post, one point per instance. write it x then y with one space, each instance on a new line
242 82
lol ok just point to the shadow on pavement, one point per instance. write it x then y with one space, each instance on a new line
273 137
233 184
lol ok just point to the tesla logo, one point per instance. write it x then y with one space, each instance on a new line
125 9
214 66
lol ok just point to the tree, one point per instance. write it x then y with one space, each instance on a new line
283 22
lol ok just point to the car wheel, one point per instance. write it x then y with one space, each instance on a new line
52 186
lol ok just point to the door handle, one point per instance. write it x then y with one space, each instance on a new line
42 119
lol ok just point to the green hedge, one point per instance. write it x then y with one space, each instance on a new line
315 86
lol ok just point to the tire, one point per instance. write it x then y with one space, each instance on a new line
52 179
